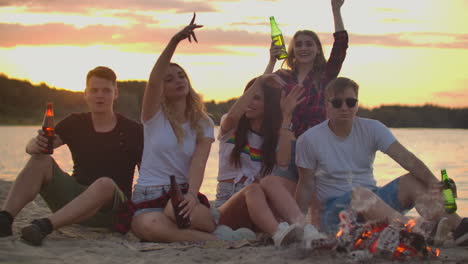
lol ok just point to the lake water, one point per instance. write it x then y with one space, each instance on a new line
438 148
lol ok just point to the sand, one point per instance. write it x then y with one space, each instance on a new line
77 244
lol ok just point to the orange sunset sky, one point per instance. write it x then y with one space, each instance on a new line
401 51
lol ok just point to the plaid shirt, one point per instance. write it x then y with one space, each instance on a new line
124 216
312 110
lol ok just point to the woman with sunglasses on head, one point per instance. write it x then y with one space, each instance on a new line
249 134
177 140
306 67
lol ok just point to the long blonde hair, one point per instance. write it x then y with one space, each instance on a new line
195 111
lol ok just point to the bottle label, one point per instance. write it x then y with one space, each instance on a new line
279 41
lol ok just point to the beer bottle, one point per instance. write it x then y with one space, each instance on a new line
176 198
277 36
447 193
48 128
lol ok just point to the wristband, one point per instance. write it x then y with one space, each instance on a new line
288 127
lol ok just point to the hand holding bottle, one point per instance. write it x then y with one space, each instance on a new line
188 204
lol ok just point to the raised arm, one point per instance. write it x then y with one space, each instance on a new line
338 20
306 195
286 135
411 163
152 97
240 106
275 51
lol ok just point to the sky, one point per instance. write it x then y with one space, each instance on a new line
409 52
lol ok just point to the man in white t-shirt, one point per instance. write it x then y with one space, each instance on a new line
335 161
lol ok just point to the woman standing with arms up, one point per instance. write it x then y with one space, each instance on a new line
177 139
305 67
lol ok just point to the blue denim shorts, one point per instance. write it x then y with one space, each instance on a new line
290 173
388 193
147 193
226 190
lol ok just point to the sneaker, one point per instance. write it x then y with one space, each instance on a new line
37 231
461 233
287 234
6 220
311 233
226 233
440 233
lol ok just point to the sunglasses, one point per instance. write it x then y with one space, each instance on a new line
350 102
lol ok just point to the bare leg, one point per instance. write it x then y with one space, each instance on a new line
36 173
86 205
412 191
280 192
157 227
200 217
372 208
249 208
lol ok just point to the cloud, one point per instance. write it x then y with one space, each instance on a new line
146 33
415 39
81 6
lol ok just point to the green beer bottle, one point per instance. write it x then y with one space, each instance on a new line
277 36
447 193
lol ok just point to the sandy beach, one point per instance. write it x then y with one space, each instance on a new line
77 244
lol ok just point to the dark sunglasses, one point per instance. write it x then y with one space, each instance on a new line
350 102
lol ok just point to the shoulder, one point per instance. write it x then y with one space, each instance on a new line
206 122
74 117
128 122
368 122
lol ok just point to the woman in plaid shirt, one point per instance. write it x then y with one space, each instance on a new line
307 67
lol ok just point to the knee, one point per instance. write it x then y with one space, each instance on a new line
362 194
145 227
269 182
41 161
253 190
104 185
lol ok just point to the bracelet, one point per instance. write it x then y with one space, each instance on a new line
288 127
193 195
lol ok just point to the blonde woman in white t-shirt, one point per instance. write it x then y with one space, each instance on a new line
178 137
252 142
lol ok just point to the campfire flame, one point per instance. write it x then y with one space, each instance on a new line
410 224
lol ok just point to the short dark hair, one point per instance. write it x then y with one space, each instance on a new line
339 84
102 72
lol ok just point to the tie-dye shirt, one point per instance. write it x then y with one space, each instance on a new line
250 158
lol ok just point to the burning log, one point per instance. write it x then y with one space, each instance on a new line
364 240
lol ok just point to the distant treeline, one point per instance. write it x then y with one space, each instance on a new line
22 103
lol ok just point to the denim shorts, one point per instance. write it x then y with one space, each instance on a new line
291 172
225 190
388 193
147 193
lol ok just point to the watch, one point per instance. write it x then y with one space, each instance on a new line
288 127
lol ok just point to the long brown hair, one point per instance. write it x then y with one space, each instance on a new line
270 130
319 61
195 111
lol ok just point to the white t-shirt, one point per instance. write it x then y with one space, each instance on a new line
342 163
250 157
163 156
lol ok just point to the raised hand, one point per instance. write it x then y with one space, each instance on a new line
336 4
188 31
275 51
290 101
273 80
